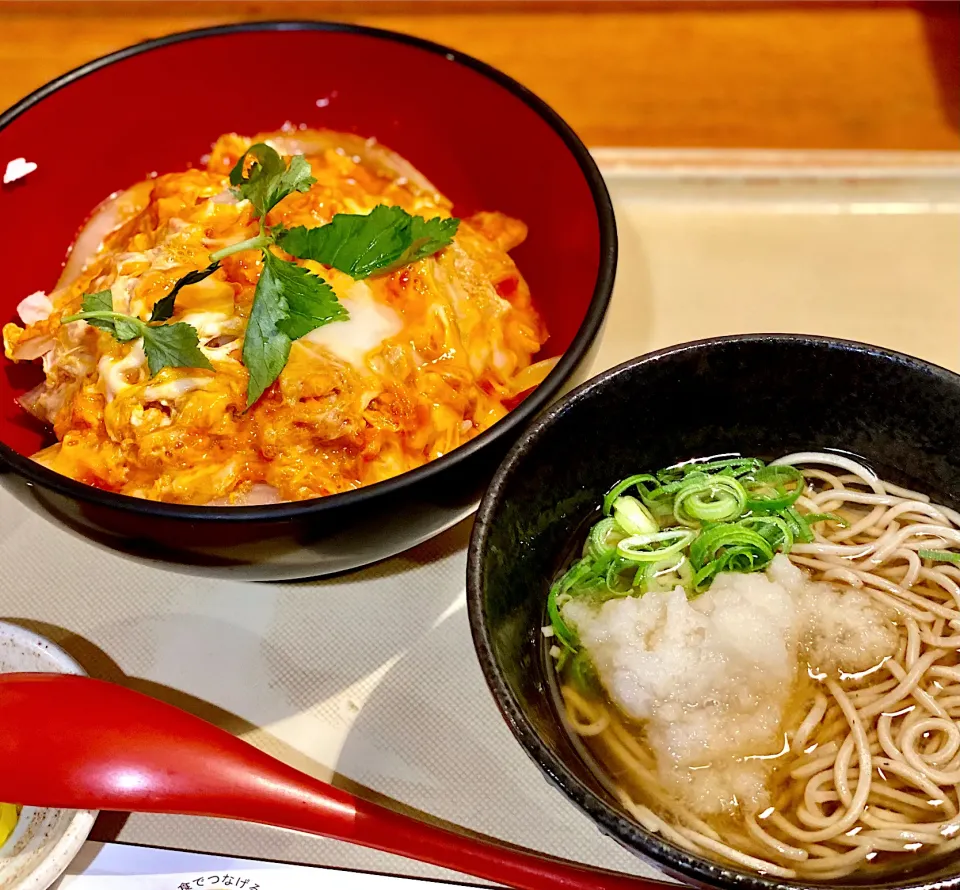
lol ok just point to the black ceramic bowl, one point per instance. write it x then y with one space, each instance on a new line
518 157
762 395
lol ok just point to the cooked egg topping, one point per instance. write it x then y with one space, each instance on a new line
432 354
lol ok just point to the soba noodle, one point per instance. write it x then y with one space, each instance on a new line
870 769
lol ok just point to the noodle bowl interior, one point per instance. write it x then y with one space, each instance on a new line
763 664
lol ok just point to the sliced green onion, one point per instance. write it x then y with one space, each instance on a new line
581 570
776 531
665 575
741 558
683 526
560 630
706 547
622 486
732 547
582 674
655 546
734 466
599 540
616 578
658 500
813 518
940 555
633 517
767 490
738 466
702 498
801 531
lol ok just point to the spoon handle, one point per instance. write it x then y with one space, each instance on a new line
486 859
85 744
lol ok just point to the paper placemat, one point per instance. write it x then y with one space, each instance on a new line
123 866
371 674
370 679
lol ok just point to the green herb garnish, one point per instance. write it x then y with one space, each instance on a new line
387 238
268 180
940 556
814 518
289 301
163 308
728 547
165 345
682 526
705 497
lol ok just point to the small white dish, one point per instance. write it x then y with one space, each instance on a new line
45 841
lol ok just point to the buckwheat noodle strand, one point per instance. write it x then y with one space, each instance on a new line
873 766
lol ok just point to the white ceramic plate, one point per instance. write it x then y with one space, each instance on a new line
45 841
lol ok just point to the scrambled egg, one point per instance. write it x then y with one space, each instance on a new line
433 353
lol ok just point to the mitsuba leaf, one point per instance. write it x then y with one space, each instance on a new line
123 327
165 345
289 302
127 328
163 308
311 302
101 301
362 245
268 180
172 346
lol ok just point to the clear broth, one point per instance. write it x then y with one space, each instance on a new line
595 750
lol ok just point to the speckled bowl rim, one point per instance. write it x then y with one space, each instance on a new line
78 829
675 861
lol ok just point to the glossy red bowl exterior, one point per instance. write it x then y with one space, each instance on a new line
484 140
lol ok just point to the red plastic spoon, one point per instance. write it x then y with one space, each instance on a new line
85 744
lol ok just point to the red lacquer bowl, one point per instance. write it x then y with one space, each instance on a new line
484 140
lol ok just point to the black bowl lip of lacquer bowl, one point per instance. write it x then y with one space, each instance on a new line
629 834
450 467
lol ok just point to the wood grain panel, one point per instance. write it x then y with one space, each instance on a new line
781 75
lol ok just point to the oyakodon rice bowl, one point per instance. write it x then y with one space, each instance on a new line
285 448
702 635
302 317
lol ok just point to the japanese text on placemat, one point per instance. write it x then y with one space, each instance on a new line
206 882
